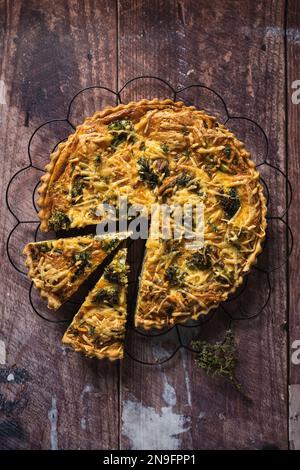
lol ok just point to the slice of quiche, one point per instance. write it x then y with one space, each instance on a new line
98 329
58 267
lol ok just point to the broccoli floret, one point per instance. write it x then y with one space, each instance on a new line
109 244
107 295
199 260
183 180
83 259
146 173
59 221
174 276
44 247
230 202
77 186
120 130
165 148
115 274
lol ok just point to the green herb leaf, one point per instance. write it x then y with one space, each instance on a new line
210 162
118 139
82 256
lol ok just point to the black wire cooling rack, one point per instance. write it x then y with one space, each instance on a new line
177 329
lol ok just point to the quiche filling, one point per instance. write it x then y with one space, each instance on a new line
98 329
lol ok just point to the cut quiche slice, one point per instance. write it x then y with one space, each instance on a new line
58 267
98 329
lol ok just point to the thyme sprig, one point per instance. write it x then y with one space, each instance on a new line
219 359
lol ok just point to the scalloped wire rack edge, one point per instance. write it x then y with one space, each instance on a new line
209 316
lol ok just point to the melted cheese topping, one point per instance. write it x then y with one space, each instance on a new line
98 329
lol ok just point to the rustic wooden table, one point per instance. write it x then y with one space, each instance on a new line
247 52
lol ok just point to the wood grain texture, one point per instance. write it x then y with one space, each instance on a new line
49 51
238 50
293 116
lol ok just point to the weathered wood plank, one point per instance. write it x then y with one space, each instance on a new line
237 48
293 117
49 51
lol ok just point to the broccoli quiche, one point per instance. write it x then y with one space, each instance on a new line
58 267
163 152
98 329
